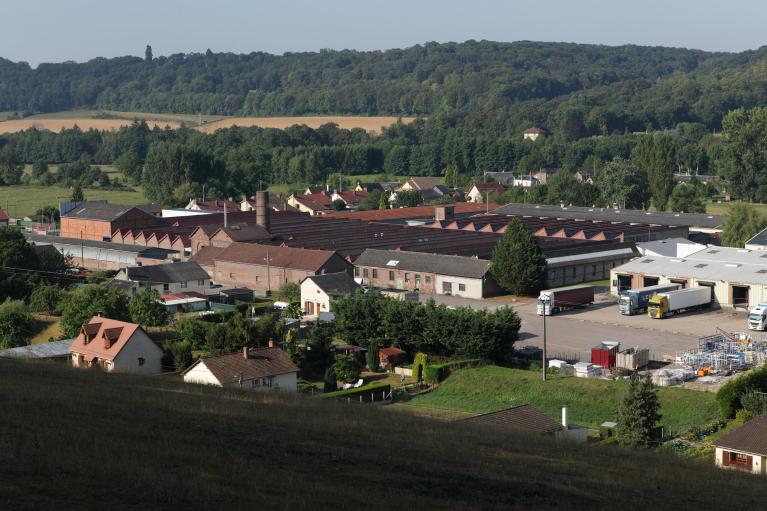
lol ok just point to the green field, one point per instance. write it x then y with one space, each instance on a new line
721 208
24 200
590 401
82 439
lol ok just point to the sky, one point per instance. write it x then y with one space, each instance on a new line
58 30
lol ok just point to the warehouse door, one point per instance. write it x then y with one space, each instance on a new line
650 281
740 296
624 282
710 285
682 282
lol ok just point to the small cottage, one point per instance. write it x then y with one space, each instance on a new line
265 369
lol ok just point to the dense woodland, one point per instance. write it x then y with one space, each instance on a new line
660 109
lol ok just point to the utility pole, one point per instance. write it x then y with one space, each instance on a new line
487 203
82 250
545 302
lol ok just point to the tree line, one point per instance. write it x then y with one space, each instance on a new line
499 88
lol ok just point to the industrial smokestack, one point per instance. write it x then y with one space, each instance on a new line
564 418
262 210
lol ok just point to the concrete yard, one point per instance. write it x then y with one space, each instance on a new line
576 332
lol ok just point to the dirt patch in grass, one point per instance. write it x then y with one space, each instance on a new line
46 327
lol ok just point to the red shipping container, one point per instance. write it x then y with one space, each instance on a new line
604 355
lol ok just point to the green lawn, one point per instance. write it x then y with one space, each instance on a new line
23 200
590 401
721 208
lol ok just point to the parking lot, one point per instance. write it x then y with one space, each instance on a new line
577 331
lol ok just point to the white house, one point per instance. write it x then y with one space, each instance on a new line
318 291
532 133
480 191
114 345
745 448
266 369
166 278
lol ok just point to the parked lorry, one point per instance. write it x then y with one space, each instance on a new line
552 301
757 317
634 301
676 302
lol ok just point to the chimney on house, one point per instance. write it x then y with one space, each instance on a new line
444 212
271 343
565 422
225 225
262 210
244 352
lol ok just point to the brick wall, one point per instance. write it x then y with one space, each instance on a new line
96 230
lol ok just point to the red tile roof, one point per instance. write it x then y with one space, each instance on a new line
3 216
103 338
279 257
261 363
490 187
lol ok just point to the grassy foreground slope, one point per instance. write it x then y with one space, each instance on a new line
84 440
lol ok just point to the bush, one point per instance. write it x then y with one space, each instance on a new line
15 324
438 372
347 368
374 388
45 299
181 354
420 363
729 396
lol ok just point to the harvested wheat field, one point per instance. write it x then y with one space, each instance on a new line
373 124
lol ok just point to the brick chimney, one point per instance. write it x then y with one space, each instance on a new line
244 352
262 210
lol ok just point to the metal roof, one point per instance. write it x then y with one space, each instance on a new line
714 263
59 242
99 211
615 215
53 349
335 284
440 264
167 273
759 238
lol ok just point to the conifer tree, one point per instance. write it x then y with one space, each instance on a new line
518 264
638 414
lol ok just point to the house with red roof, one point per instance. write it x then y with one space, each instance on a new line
118 346
265 369
4 218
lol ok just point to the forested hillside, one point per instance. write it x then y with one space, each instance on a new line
495 87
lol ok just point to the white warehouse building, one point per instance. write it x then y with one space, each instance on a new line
738 277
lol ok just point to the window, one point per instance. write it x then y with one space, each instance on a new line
183 284
356 272
593 269
461 287
428 279
258 278
574 272
391 275
375 273
141 361
201 282
407 277
365 273
165 287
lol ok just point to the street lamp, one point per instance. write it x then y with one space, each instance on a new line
545 302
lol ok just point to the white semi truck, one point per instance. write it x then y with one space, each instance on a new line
757 318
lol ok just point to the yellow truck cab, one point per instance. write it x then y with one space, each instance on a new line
657 307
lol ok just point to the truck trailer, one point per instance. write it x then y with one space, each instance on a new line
757 317
634 301
675 302
552 301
